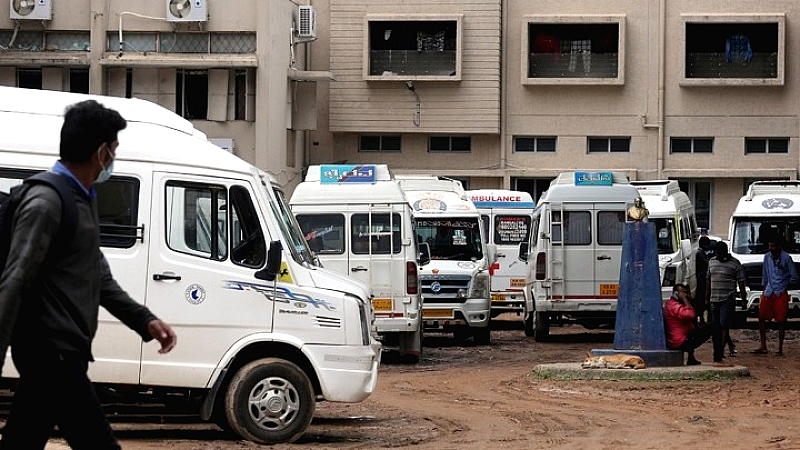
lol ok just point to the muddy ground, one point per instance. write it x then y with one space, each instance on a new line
486 397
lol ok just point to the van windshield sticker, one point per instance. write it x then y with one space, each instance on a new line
347 173
279 295
594 179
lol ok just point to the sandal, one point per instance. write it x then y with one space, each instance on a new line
732 352
759 351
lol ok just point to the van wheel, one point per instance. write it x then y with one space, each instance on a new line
269 401
541 327
410 345
529 325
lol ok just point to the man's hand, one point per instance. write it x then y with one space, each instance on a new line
163 333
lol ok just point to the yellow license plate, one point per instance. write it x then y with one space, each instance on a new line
518 282
437 313
382 304
609 289
497 298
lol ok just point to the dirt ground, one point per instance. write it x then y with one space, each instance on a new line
486 397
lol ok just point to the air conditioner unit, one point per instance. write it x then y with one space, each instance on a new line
187 10
31 9
306 23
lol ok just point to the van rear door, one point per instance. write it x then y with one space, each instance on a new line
377 254
610 226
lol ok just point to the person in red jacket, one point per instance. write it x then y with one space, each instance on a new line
679 324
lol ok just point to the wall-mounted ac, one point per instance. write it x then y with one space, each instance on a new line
187 10
31 9
306 23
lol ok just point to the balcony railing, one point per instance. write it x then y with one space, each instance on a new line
412 62
573 65
714 66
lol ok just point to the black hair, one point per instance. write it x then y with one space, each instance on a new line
677 287
704 240
722 251
87 125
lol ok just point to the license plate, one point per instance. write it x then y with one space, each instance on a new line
497 298
437 313
609 289
518 282
382 304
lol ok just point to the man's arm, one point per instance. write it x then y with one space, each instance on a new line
793 278
136 316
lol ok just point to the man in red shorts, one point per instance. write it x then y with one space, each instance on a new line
777 273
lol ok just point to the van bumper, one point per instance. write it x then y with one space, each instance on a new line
346 373
396 324
473 313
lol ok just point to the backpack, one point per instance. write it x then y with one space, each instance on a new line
9 203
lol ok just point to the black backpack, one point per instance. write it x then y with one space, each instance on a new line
10 201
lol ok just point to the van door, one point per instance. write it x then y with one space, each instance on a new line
206 245
572 257
610 219
377 255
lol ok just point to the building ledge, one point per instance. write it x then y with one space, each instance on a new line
310 75
26 58
183 61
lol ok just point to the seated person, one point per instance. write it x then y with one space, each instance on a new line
679 324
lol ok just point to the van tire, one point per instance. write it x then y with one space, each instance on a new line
265 383
529 325
541 327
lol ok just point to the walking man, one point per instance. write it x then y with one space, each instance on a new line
777 273
724 274
51 291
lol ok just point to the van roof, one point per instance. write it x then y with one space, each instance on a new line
500 198
439 202
662 198
564 188
314 191
32 121
767 198
431 183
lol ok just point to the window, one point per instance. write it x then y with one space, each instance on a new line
605 145
324 232
766 145
248 247
183 42
196 220
578 226
699 192
721 48
79 80
511 230
412 49
665 235
485 227
449 144
118 208
610 225
191 94
379 143
240 94
534 144
535 186
29 78
375 234
453 239
574 50
691 145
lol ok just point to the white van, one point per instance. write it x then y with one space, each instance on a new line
358 222
676 230
455 285
506 217
575 251
209 244
767 207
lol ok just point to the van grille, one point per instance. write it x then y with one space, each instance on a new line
444 288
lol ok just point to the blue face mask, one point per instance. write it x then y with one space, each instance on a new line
105 174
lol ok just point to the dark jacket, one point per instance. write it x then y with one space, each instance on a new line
52 302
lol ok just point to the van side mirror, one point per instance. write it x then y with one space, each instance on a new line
524 249
273 267
424 256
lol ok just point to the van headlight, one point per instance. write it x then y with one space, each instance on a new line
669 276
365 318
480 286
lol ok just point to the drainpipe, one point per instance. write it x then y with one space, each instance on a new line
506 183
662 58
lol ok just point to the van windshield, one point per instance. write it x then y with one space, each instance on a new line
298 246
457 239
665 236
751 234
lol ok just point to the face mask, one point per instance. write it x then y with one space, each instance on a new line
105 174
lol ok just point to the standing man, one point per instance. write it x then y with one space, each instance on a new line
679 324
701 270
724 273
51 291
777 273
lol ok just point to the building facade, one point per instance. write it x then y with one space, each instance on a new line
508 93
497 93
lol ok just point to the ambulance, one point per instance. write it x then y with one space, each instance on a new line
209 244
767 207
358 221
455 285
575 250
506 217
676 233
